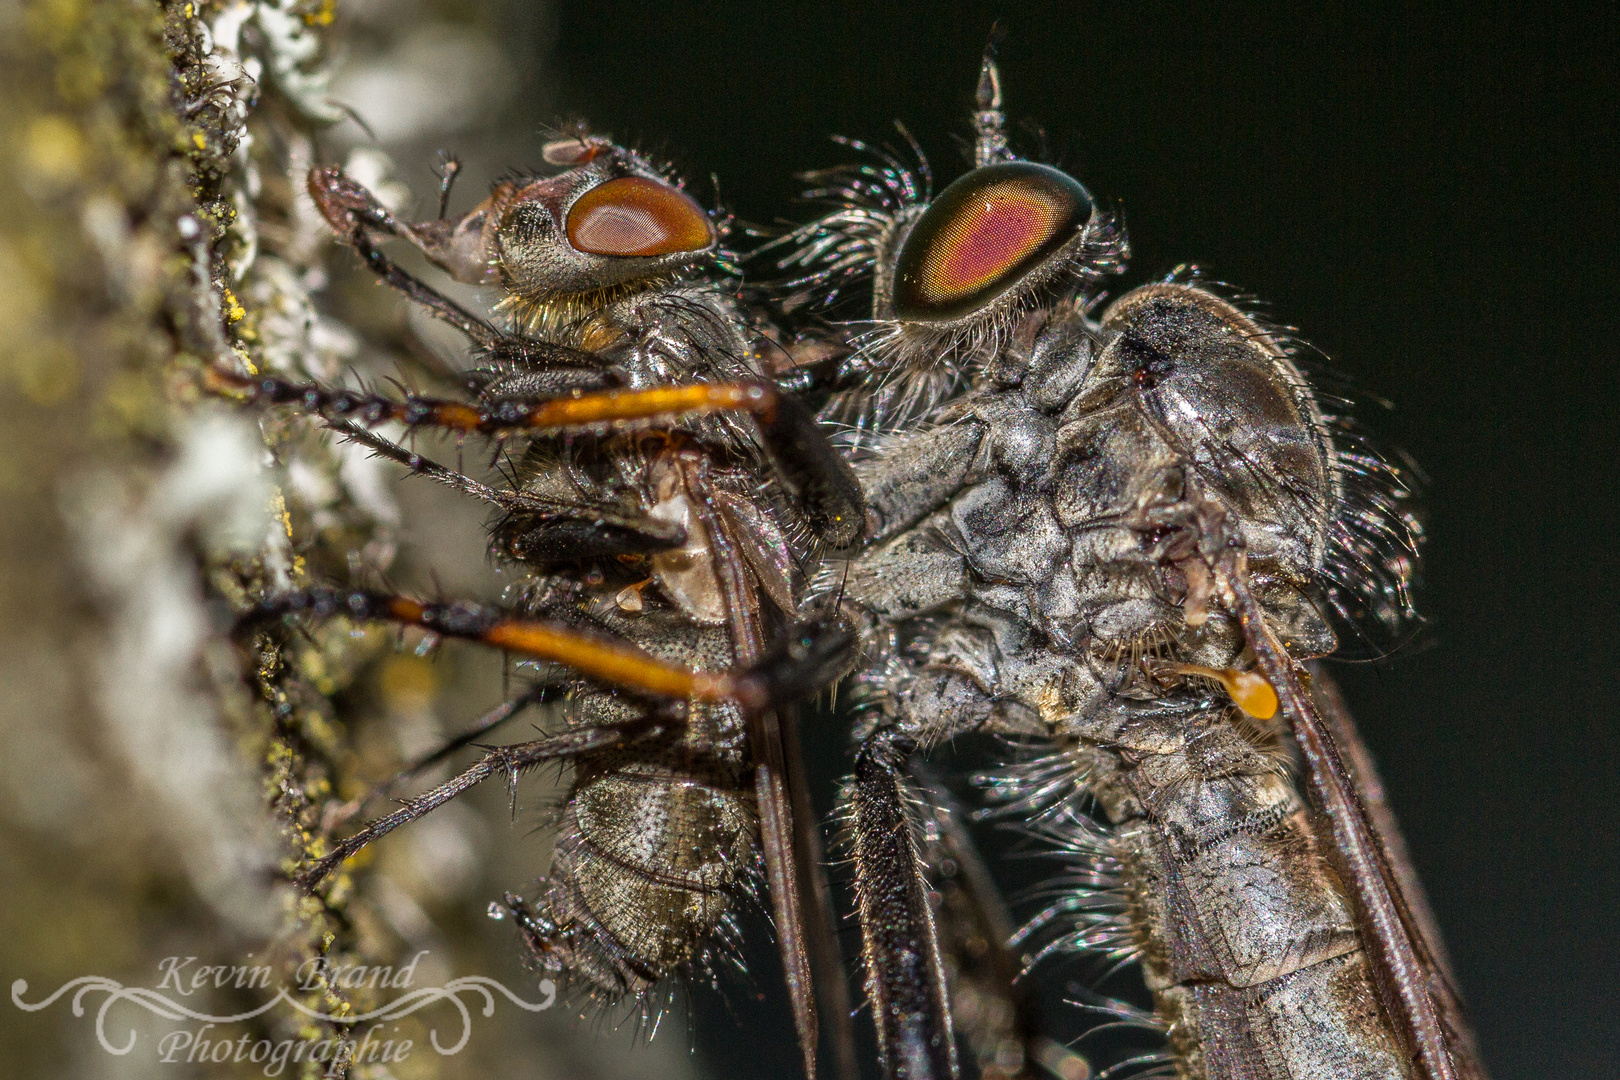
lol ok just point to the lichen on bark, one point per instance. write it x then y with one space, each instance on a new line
153 225
161 777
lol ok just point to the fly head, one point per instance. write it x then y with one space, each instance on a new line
953 276
609 223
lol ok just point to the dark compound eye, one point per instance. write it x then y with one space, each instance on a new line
982 235
635 216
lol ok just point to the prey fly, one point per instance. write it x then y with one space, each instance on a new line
667 503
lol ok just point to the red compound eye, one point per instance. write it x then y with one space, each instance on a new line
634 216
983 234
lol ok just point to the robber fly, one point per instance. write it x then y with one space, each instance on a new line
666 503
1121 537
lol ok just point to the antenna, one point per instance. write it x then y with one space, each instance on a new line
989 122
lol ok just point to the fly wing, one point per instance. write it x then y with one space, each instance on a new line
1386 832
800 902
1413 979
815 902
782 872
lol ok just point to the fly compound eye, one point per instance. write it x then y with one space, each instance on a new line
634 216
984 234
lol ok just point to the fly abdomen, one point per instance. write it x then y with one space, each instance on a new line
646 865
654 841
1248 940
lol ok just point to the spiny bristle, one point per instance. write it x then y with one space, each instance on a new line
567 318
1047 784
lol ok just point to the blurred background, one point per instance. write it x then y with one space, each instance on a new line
1427 195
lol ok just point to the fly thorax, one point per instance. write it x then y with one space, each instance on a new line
1224 396
1008 532
699 331
1060 362
1020 440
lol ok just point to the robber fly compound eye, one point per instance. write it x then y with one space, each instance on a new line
951 277
985 234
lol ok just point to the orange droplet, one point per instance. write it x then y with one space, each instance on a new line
1249 689
1252 693
637 217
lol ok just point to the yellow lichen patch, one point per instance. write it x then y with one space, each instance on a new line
278 509
53 151
408 683
47 373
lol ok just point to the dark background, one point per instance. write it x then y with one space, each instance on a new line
1430 197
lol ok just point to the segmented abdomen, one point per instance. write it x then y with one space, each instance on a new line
1247 937
654 840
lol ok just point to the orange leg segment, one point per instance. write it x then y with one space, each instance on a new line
798 665
833 504
584 410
